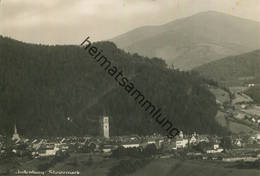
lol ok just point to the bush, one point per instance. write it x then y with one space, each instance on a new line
136 152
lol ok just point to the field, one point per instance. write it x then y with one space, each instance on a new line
173 167
99 166
221 95
232 125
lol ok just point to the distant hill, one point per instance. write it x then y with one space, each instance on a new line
60 90
192 41
234 70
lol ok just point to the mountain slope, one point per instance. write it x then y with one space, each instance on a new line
195 40
234 70
60 90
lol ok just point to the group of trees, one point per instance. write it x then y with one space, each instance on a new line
225 143
254 92
137 152
61 90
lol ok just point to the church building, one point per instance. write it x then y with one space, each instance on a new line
104 123
15 135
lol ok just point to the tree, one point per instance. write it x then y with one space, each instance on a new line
201 146
226 142
150 150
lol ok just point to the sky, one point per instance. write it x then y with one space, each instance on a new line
70 21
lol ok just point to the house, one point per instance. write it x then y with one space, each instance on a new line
36 145
257 136
169 145
238 142
159 143
215 146
202 138
107 148
131 145
251 85
215 149
64 147
219 150
151 142
193 140
243 106
49 149
181 143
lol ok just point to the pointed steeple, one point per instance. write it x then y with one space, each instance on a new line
15 129
15 135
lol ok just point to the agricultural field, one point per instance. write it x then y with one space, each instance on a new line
173 167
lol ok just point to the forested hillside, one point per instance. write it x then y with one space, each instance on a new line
60 90
254 93
234 70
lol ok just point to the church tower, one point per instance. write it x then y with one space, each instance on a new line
15 135
104 123
181 135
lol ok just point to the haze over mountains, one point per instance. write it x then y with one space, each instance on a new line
192 41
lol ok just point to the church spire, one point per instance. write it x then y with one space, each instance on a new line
15 129
15 135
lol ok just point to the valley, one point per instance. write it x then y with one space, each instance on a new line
237 111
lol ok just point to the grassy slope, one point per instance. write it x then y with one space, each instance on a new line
233 126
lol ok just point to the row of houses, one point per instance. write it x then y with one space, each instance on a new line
50 147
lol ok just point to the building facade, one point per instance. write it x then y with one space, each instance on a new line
104 123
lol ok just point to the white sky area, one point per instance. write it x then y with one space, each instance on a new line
70 21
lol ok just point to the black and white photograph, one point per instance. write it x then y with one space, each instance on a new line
129 88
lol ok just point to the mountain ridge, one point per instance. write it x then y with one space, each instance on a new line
192 41
233 70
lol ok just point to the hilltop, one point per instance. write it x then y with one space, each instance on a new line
193 41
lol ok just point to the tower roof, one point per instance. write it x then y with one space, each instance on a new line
15 129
